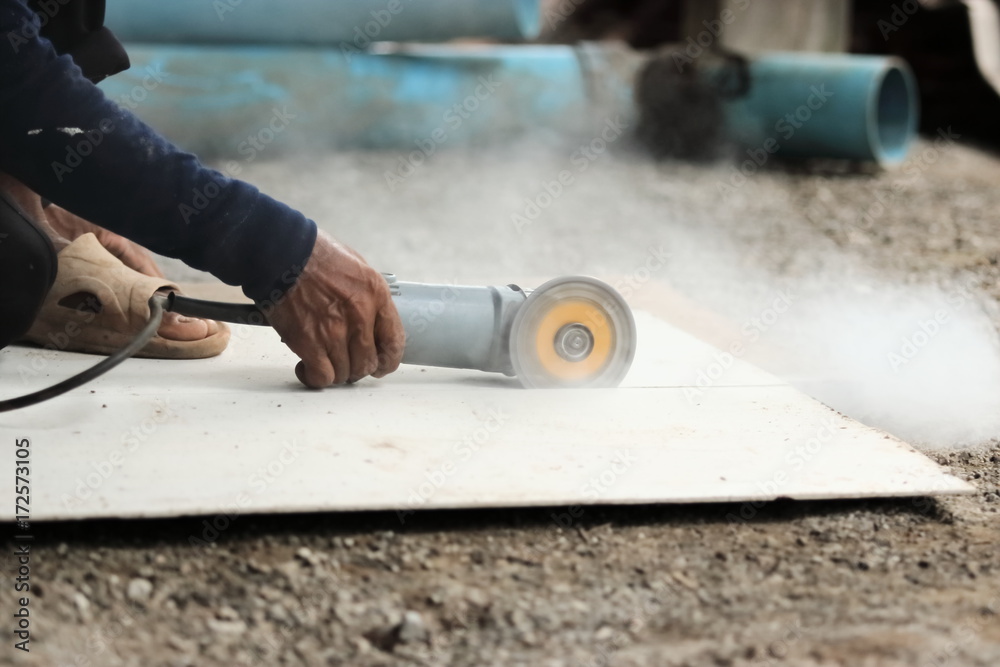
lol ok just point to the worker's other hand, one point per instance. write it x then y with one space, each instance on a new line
339 319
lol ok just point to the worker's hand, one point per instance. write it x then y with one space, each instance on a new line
339 318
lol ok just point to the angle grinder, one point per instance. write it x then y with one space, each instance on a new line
570 332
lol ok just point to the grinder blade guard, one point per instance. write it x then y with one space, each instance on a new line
573 332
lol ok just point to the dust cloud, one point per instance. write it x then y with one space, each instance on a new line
921 361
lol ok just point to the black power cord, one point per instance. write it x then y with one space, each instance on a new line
234 313
158 304
156 308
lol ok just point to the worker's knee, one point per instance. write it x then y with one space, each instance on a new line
27 271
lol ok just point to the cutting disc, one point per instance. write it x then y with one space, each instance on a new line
573 332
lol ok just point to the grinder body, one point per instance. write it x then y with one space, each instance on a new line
457 326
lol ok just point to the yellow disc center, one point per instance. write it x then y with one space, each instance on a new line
573 312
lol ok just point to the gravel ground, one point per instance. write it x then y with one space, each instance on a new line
902 582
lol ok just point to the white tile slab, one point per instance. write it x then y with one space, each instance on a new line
237 433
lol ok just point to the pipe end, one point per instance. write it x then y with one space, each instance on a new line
894 114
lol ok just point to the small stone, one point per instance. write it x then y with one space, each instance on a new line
292 569
308 647
636 624
139 590
181 644
362 645
62 549
222 627
277 612
685 580
307 555
477 597
412 629
82 605
603 633
258 568
270 593
520 620
227 613
529 639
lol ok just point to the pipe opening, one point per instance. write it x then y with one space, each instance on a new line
529 18
895 116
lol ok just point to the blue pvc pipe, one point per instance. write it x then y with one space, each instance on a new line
347 23
828 106
210 99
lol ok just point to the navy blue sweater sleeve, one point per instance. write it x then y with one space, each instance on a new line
65 140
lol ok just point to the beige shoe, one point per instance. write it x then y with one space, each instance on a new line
98 305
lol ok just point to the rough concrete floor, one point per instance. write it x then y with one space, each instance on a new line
907 582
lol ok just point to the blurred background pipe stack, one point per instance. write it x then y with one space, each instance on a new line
339 77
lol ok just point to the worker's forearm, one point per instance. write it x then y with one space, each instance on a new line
61 136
